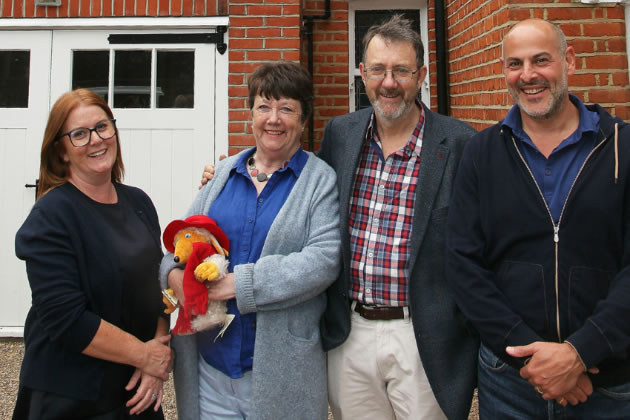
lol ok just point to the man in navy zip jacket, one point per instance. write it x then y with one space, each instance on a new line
539 243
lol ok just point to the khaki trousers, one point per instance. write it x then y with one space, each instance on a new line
377 374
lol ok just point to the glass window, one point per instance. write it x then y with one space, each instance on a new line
132 79
175 79
90 69
14 78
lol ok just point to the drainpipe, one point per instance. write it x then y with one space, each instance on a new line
441 53
628 33
308 30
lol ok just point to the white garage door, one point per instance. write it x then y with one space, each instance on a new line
163 87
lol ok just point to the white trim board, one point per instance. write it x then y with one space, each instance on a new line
11 332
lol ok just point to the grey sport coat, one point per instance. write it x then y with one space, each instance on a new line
447 345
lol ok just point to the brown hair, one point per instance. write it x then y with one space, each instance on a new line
397 29
53 171
282 79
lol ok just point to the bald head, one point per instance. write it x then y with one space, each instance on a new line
523 30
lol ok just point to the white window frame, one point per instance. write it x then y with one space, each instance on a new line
353 6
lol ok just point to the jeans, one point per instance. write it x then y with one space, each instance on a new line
221 397
503 394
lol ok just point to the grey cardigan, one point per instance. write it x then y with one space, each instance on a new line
285 287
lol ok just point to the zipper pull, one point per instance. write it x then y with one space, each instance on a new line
556 237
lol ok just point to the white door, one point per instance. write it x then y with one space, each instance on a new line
24 97
163 98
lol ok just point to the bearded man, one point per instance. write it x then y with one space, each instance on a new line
398 346
539 243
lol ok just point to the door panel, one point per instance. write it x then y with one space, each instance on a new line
21 133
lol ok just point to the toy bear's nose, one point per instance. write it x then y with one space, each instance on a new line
176 259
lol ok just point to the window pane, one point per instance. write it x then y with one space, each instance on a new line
132 79
361 99
175 79
90 69
365 18
14 77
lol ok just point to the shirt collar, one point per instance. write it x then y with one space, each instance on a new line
415 142
589 122
296 163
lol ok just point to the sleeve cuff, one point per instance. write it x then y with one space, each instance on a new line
244 288
82 332
590 344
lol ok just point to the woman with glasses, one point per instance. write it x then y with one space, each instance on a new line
278 206
96 342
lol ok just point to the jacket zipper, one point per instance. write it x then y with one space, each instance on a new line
556 227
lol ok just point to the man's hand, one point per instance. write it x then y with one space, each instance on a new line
553 368
208 173
579 394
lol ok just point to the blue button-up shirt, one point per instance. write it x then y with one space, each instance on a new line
245 217
555 175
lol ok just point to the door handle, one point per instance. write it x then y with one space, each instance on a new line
35 185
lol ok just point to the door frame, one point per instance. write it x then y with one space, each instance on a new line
353 6
136 25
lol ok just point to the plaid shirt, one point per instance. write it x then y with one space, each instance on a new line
381 215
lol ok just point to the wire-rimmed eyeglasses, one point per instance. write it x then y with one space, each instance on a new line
400 74
80 137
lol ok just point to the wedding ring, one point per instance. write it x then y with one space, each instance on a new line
562 401
153 396
540 391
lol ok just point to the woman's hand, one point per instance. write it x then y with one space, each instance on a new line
150 391
208 173
157 359
222 289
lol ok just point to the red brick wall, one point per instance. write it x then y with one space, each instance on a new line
476 28
260 31
268 30
330 63
111 8
475 31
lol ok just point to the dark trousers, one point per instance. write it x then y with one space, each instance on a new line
39 405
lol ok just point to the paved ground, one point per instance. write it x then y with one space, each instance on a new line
11 353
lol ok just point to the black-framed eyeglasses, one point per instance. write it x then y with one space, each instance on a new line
80 137
400 74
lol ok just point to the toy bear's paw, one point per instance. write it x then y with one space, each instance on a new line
206 271
170 300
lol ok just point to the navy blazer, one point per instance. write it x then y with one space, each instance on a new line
75 282
447 346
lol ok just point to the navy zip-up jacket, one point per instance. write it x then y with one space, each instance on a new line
521 278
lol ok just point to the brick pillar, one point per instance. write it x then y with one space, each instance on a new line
260 31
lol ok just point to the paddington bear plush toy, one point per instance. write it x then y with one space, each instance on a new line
200 244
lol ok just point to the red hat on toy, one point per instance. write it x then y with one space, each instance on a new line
198 221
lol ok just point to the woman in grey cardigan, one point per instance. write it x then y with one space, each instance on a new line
279 208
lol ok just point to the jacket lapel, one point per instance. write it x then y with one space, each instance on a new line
433 158
354 131
353 135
